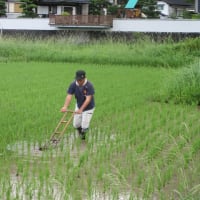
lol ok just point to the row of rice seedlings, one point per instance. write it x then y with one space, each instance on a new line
169 172
52 170
113 142
108 151
119 166
22 169
176 155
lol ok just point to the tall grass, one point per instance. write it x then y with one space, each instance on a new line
184 85
140 53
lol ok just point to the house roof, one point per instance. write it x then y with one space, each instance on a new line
178 2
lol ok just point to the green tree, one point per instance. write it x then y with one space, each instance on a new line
96 6
2 8
148 7
113 9
29 8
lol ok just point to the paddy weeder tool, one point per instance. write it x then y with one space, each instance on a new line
59 130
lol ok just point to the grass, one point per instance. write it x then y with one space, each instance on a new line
166 54
184 86
137 148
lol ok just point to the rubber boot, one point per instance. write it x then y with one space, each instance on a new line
79 129
83 134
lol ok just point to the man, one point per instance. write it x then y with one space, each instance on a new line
83 91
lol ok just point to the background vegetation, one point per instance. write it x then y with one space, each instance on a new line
80 50
2 8
144 138
29 8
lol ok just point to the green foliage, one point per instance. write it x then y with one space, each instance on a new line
96 6
190 15
184 87
113 9
196 16
148 7
187 15
141 52
2 8
65 13
189 46
29 8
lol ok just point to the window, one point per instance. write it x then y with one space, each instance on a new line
160 7
67 9
17 8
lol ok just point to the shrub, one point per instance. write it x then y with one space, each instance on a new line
65 13
196 16
187 14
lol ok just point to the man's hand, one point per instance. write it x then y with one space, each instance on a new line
79 111
63 109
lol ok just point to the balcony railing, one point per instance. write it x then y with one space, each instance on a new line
81 20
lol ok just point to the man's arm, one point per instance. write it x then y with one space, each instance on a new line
67 102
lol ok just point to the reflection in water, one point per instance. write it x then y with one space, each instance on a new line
53 190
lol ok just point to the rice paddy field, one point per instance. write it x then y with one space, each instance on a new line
144 138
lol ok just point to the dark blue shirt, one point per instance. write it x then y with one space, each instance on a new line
80 93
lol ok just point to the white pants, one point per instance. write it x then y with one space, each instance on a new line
83 120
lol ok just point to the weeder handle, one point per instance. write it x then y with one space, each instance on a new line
71 111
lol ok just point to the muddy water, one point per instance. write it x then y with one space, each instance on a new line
30 151
56 191
24 148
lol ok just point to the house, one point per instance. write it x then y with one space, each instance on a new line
46 7
71 7
13 9
173 8
81 7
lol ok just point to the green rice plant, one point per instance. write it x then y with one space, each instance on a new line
149 188
133 144
196 146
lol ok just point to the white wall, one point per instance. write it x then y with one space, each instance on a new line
42 10
148 25
119 25
25 24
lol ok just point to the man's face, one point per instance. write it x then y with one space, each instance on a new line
81 82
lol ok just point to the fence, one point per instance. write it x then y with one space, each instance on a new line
82 20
